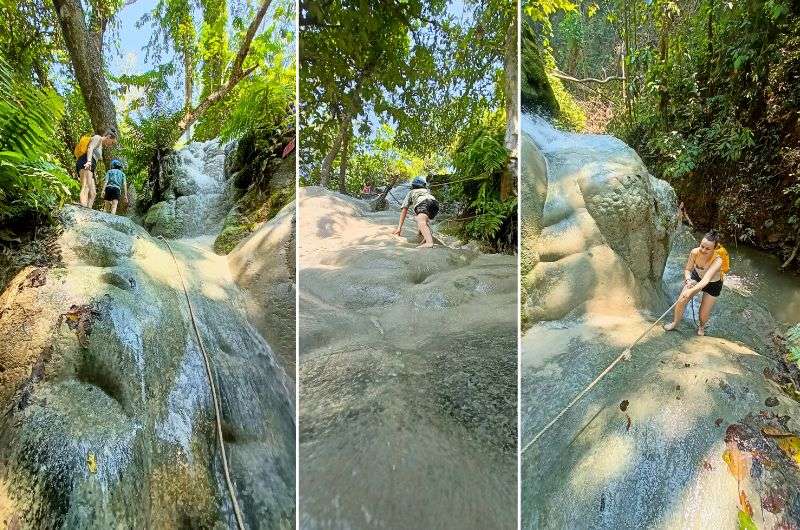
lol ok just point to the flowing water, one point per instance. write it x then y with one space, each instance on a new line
758 274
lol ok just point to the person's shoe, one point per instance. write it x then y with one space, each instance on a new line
669 327
425 245
701 331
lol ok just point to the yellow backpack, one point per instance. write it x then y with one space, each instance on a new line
83 145
726 260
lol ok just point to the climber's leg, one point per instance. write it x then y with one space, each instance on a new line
425 229
705 311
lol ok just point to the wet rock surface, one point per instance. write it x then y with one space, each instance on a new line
194 195
263 266
107 419
673 438
407 375
600 232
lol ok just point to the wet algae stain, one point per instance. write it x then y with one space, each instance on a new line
182 494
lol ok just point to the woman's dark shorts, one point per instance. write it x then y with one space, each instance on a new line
111 194
82 162
712 288
428 207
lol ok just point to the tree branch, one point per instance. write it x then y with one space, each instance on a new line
565 77
244 49
794 253
191 116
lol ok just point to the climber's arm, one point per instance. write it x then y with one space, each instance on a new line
93 143
403 213
687 270
710 273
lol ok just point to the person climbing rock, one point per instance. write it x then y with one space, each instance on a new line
88 151
115 184
425 207
683 216
704 271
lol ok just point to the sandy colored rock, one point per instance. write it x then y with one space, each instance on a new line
407 375
604 222
263 266
647 447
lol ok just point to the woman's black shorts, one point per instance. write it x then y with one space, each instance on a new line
111 194
82 162
712 288
428 207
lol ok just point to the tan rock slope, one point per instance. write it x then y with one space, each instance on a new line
407 375
107 419
675 437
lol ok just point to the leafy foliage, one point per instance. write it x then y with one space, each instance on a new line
424 67
379 161
264 99
709 100
542 93
479 160
31 185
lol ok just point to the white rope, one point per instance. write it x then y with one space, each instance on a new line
626 353
215 398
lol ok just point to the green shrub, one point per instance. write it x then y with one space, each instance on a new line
32 185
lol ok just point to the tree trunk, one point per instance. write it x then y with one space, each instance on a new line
572 60
624 59
213 32
710 30
327 162
380 202
348 128
510 83
188 85
87 63
663 94
188 72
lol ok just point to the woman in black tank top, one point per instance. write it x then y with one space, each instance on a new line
702 273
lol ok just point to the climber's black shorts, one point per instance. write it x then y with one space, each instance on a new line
80 163
712 288
428 207
111 194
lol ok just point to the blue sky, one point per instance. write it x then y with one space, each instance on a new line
132 40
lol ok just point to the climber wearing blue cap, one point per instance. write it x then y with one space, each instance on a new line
114 185
425 207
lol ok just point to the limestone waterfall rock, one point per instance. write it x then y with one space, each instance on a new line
602 226
673 438
196 195
107 419
263 266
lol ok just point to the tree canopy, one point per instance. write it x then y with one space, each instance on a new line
705 91
418 76
215 68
